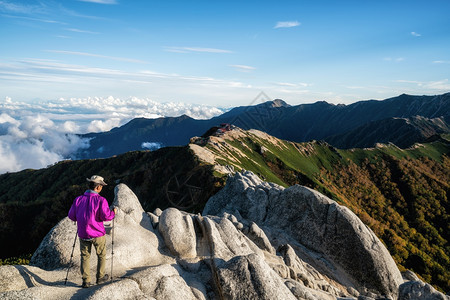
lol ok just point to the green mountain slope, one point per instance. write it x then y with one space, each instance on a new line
402 195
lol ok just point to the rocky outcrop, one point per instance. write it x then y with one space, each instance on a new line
56 248
177 229
418 290
255 240
249 277
353 253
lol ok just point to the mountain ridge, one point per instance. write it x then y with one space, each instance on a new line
301 123
403 132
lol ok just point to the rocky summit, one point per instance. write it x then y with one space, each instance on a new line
254 240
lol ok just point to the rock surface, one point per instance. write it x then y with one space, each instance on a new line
178 232
418 290
249 277
255 240
317 223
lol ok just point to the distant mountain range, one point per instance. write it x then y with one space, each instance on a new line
402 120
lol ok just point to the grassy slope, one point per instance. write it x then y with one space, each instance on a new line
401 194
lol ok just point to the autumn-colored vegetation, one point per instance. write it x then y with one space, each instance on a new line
21 260
404 202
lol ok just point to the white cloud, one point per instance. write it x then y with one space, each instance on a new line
196 49
287 24
429 86
82 31
289 90
33 19
440 85
53 71
441 62
243 68
70 127
98 55
397 59
151 145
413 33
34 135
5 118
99 125
43 9
50 79
22 155
354 87
294 85
11 7
409 81
34 141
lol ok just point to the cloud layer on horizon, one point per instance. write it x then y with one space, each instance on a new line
35 135
34 142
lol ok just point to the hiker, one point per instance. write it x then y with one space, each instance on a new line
89 211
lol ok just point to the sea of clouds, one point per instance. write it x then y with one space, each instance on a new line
36 134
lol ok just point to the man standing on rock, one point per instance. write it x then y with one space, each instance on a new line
89 211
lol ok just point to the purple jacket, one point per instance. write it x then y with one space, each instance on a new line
89 211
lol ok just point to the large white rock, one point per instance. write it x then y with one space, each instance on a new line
258 236
418 290
226 241
249 277
129 204
11 278
329 228
125 289
178 231
248 186
56 248
136 243
169 282
356 256
28 282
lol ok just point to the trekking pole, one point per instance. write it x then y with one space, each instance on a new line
71 256
112 249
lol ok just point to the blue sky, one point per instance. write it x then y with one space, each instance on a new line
223 53
71 66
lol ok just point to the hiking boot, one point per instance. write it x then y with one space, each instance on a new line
103 279
86 285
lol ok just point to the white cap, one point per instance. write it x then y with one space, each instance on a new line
97 179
